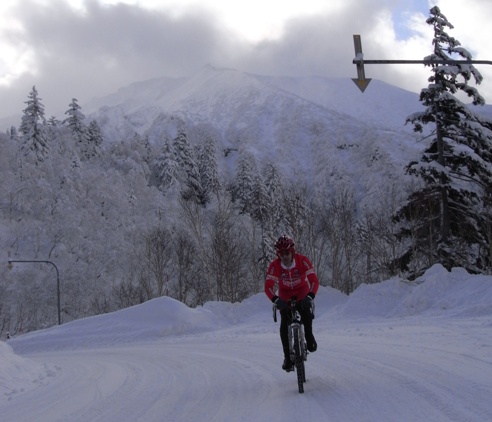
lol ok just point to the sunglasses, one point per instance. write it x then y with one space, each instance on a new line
284 253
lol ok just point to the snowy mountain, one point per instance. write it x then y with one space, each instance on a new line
310 127
215 95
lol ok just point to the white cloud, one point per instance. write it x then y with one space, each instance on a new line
85 48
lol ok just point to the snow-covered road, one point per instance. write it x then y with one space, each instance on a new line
432 366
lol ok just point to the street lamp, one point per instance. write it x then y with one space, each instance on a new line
57 281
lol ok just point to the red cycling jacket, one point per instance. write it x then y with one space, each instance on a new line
296 281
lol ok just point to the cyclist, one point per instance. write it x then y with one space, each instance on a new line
292 275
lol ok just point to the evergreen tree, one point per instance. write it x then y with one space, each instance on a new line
189 174
32 128
52 128
166 168
53 121
260 209
75 119
208 169
445 215
75 122
273 184
14 134
252 196
94 140
142 144
243 189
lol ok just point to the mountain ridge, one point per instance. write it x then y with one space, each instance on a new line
337 94
289 121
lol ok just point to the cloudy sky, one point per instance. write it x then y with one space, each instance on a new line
87 48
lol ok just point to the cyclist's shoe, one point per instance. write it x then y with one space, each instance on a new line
311 344
288 366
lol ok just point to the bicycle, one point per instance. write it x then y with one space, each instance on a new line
297 342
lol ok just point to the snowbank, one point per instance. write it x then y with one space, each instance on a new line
18 374
437 293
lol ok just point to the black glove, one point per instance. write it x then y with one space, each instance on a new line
307 301
280 303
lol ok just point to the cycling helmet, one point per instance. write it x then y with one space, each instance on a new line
284 243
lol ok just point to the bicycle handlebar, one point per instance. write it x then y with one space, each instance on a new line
291 305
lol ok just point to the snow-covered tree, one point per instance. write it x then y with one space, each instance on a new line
208 169
75 119
75 122
166 168
445 215
53 121
243 189
189 174
274 187
142 145
14 134
32 128
94 140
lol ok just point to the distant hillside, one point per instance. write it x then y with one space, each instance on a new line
320 128
381 105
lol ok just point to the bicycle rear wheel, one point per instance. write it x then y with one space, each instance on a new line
299 362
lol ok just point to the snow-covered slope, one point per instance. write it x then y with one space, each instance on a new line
322 129
381 105
222 96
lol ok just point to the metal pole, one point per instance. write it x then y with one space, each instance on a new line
57 282
359 60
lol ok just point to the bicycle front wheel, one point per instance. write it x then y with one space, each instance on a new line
299 362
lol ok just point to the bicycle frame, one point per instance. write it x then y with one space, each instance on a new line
297 342
296 330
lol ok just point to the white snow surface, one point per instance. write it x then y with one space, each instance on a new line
391 351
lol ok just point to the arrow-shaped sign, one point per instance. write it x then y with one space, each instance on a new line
359 61
361 80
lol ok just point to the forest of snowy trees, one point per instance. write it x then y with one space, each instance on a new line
127 221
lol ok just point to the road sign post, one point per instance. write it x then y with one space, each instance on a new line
359 61
361 80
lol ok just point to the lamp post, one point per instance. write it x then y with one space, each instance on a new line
57 280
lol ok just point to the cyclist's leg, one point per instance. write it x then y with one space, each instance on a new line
284 330
284 337
307 320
